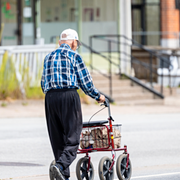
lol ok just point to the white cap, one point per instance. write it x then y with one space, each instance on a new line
69 34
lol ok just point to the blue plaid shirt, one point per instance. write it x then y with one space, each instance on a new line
63 69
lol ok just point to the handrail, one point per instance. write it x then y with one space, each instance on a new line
148 66
105 75
137 81
133 43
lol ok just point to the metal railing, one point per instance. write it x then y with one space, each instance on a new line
29 58
152 74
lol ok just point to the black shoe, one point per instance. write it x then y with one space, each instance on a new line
57 172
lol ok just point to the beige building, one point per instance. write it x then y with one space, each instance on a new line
64 10
148 20
98 17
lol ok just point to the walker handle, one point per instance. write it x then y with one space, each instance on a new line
106 104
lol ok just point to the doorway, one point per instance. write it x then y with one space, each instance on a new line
138 22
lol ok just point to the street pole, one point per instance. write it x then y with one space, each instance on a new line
38 18
76 12
19 22
79 21
126 30
118 18
34 19
118 33
39 40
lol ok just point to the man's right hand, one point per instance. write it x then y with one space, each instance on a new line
101 99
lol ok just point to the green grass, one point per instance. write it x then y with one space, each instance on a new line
9 84
24 103
3 104
34 93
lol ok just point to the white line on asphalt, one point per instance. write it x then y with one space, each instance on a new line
155 175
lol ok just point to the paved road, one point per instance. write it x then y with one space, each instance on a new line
153 142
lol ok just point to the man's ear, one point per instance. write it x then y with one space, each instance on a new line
59 42
73 45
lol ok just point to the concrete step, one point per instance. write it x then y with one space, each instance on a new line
141 102
101 77
120 83
123 89
132 96
167 91
124 93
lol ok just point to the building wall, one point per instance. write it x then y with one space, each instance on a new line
9 19
153 23
99 17
64 10
146 29
8 15
169 18
59 14
170 24
56 15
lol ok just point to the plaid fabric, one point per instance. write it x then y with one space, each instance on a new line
64 68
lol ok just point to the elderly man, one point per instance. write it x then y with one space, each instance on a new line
64 72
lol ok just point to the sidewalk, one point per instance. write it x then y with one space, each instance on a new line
38 177
35 108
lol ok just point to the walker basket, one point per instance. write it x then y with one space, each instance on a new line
98 137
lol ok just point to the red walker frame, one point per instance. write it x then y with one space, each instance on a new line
111 143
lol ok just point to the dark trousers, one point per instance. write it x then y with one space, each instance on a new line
64 122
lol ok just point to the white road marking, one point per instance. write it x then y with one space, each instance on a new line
155 175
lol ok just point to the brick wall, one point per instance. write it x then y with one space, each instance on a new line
169 19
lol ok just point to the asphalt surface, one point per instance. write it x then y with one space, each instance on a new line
153 141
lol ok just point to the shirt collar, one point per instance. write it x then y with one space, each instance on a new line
65 46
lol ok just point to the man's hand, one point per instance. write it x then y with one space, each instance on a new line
101 99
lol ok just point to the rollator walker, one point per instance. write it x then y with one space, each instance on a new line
102 136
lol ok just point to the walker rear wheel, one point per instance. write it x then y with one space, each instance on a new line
122 172
104 173
81 170
51 175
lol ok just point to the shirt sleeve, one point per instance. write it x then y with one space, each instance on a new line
84 79
42 80
43 75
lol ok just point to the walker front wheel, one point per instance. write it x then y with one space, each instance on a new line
82 172
104 172
51 175
122 172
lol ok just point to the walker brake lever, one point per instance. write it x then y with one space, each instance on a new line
104 104
110 118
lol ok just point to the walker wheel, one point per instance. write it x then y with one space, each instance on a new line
122 173
51 175
104 173
81 169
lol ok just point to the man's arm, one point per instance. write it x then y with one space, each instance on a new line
43 79
85 80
